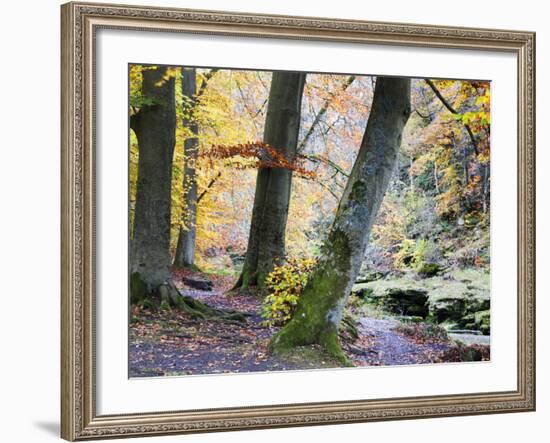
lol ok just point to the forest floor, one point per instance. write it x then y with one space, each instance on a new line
169 343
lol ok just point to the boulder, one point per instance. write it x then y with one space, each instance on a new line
459 298
399 296
368 275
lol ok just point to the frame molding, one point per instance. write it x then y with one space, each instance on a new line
78 24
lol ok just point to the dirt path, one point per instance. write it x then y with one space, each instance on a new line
385 346
171 343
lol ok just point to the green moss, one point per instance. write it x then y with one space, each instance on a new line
165 306
248 279
260 282
329 342
483 321
147 303
428 269
312 322
358 191
311 356
138 289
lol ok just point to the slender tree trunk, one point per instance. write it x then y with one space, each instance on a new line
321 305
185 249
266 241
436 178
485 188
411 178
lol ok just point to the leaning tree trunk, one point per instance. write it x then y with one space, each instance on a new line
155 129
266 241
185 249
321 305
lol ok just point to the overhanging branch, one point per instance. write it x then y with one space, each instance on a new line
453 111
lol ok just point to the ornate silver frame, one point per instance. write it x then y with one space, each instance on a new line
79 420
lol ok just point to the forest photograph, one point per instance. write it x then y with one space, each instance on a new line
284 220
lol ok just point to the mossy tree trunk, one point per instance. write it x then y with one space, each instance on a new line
266 241
185 249
155 129
320 309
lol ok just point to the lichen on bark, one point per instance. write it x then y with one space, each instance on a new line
319 312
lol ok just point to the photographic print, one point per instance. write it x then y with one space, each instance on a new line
302 220
254 206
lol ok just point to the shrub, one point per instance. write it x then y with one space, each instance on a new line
421 255
285 285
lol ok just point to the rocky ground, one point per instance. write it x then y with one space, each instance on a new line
459 300
170 343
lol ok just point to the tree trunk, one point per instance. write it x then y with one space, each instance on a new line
321 305
155 128
485 189
185 249
266 241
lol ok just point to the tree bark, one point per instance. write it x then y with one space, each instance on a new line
155 128
150 279
185 249
321 305
266 241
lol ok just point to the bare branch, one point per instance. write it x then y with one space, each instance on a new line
210 184
326 161
206 79
322 112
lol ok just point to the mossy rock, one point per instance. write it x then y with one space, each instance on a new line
397 296
367 276
427 270
483 321
454 298
409 318
458 296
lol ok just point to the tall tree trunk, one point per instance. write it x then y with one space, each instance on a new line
155 128
185 249
266 241
321 305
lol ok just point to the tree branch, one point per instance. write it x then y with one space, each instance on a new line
251 113
316 158
210 184
206 79
426 117
322 112
453 111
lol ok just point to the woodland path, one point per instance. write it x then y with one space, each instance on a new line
385 346
171 343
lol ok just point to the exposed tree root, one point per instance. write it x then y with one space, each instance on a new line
170 295
246 280
167 295
293 336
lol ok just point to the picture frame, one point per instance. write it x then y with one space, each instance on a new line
80 419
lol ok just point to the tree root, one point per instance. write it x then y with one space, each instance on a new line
294 335
170 296
249 281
